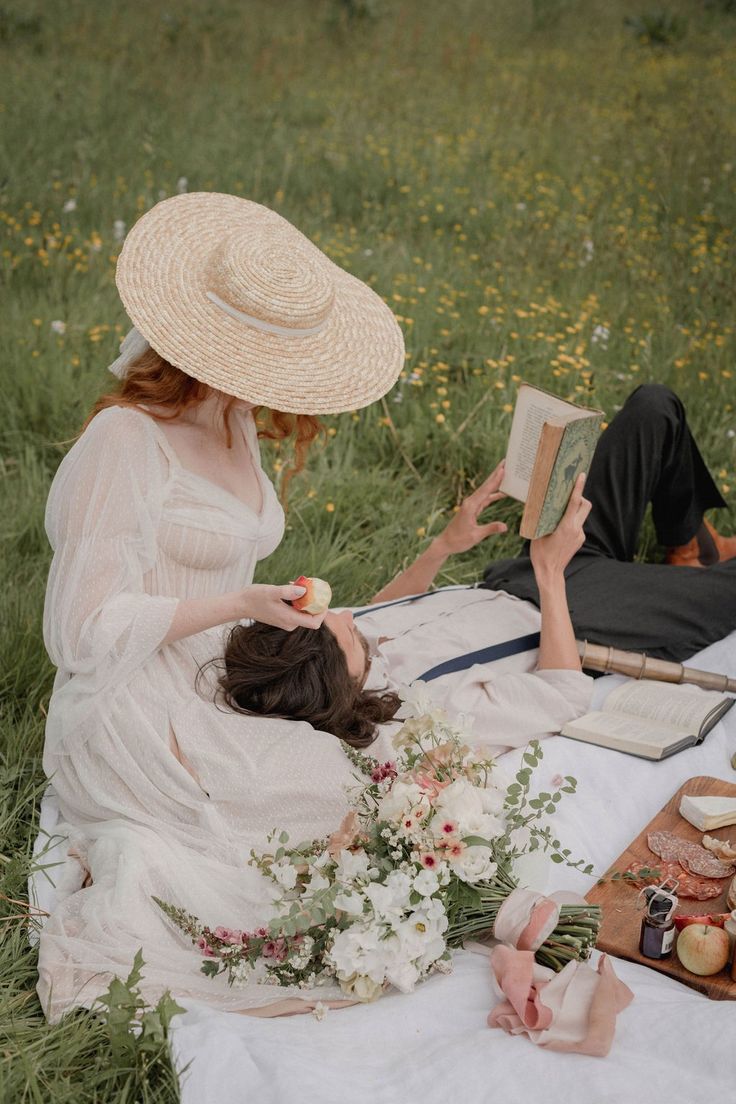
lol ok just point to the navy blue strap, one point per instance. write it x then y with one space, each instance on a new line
483 655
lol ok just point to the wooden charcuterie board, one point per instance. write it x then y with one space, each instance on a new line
621 926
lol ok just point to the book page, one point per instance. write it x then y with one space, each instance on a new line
623 732
682 707
533 408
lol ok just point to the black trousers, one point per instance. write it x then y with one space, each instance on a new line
647 454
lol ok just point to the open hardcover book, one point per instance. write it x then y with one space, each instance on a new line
551 442
651 719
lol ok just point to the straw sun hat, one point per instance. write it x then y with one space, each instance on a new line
234 295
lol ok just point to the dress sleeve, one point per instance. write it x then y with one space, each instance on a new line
101 519
512 709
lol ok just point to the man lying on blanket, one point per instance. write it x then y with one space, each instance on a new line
503 652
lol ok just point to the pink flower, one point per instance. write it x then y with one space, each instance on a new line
556 781
228 935
430 783
429 860
453 848
383 771
275 948
448 827
346 834
205 948
261 933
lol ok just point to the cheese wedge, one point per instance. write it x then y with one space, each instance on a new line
708 812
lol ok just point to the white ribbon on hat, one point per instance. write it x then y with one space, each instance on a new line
260 324
134 345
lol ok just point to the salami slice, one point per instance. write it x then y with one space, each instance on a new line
699 889
693 856
664 844
708 866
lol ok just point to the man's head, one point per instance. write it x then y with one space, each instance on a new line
313 675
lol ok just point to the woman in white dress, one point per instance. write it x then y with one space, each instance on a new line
157 517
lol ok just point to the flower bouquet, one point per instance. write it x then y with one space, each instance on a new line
424 860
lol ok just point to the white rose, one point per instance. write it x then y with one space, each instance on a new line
361 987
402 797
492 799
475 864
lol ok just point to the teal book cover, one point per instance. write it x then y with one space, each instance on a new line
574 456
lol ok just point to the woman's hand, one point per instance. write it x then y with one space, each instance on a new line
550 555
270 605
463 531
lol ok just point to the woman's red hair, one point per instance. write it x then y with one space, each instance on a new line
152 381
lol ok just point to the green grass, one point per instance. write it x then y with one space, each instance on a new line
510 176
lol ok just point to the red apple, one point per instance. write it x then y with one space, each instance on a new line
717 919
703 949
317 597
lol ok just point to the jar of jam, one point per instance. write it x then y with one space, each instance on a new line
657 937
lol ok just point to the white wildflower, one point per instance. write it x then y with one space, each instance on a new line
587 251
426 883
388 902
182 185
58 327
352 903
317 882
118 230
600 336
285 874
319 1011
240 973
69 206
351 865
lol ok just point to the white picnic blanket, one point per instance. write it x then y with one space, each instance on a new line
672 1045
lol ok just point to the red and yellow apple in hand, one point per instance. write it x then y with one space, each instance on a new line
317 596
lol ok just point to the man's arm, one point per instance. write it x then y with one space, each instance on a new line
460 534
550 556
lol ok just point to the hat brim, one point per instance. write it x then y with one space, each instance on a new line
353 360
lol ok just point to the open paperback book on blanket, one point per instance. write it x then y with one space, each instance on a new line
551 442
651 719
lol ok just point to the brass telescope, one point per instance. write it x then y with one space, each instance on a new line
638 665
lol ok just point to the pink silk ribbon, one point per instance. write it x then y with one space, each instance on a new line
526 918
574 1010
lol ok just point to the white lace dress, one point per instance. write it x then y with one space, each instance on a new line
133 531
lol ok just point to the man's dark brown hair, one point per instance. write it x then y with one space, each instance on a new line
302 675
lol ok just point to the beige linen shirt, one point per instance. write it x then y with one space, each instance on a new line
506 702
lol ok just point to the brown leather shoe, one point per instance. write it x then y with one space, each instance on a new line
688 555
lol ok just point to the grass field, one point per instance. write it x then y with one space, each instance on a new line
538 191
